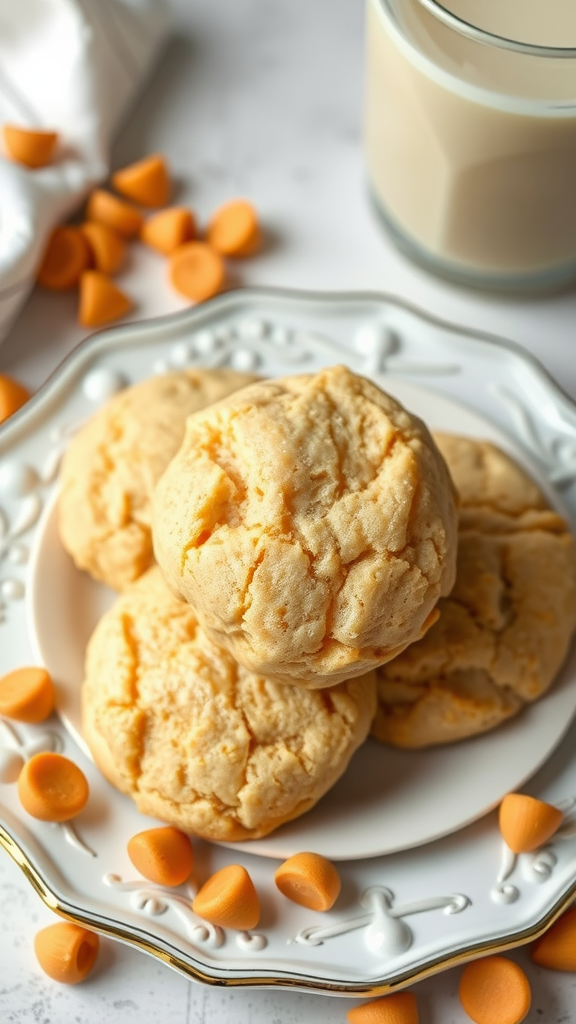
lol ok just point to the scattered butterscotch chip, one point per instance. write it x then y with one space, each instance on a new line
196 271
229 899
163 855
101 301
527 823
27 695
398 1008
52 788
66 952
147 181
107 246
13 396
169 229
66 257
310 880
32 147
495 990
233 229
105 208
556 949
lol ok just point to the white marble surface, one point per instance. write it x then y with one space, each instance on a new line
260 98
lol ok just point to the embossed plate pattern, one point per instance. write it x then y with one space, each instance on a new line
399 916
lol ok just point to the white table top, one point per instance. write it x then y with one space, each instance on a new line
260 98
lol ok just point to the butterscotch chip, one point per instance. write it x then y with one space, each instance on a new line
311 523
505 629
200 742
113 463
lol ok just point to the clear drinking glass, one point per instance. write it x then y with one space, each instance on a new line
470 135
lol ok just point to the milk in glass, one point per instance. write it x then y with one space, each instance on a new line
470 134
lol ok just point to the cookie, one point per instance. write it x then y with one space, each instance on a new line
505 630
311 523
487 479
114 461
200 742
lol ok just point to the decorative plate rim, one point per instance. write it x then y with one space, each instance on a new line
131 937
246 294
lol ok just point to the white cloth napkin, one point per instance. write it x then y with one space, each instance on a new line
72 66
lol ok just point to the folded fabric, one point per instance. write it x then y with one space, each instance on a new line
72 66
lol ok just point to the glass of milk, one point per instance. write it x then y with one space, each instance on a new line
470 135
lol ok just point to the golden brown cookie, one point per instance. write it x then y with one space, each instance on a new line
311 523
114 461
505 629
487 478
200 742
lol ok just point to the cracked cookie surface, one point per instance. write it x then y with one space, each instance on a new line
200 742
505 629
114 461
311 523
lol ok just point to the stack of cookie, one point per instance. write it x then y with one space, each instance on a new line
284 554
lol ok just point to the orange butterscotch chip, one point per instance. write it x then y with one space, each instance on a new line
163 855
310 880
105 208
196 271
495 990
527 823
52 788
233 229
66 952
107 246
146 182
229 899
398 1008
32 147
27 695
556 949
101 301
13 396
169 229
67 255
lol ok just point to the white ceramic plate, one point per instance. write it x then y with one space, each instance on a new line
388 800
